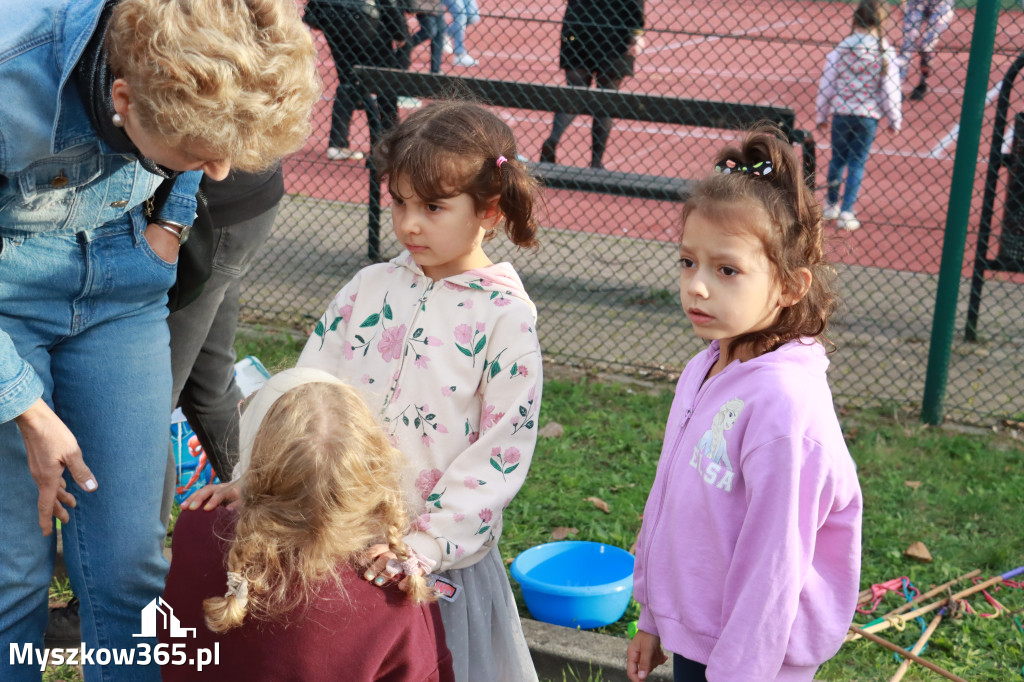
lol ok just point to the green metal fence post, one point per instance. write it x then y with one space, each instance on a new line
978 67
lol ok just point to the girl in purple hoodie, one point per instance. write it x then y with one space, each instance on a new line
748 561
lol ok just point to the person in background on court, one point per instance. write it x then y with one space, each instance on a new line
99 110
363 32
464 13
600 42
924 21
430 15
859 85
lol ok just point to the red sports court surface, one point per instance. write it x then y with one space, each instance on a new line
728 51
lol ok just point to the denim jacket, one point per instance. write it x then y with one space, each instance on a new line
56 175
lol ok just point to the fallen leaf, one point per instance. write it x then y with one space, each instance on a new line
562 533
1013 424
918 551
509 560
912 484
600 504
551 430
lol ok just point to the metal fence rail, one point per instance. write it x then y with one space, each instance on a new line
605 278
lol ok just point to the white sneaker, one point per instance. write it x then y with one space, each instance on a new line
831 212
464 60
344 154
847 221
448 47
409 103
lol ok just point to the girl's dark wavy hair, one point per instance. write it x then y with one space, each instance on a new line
793 237
452 147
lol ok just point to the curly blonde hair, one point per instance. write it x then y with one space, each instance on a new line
319 487
236 76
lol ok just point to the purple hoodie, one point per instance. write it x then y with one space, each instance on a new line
749 555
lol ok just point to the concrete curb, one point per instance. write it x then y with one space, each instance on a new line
566 654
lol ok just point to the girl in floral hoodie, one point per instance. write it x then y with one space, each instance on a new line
442 343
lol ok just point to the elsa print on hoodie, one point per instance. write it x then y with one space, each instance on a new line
710 455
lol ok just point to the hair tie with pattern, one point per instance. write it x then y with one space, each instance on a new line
760 169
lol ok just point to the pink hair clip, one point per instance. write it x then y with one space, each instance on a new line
501 160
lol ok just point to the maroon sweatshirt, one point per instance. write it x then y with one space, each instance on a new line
364 634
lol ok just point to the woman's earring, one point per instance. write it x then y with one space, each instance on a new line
117 120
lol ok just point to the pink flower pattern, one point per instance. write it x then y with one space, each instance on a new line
463 333
489 417
426 481
390 344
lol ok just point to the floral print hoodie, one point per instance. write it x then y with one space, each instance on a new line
453 367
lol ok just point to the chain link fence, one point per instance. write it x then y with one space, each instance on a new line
605 279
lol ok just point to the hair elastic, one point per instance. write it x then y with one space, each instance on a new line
238 587
760 169
500 160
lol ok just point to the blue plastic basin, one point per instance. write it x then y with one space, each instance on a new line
575 583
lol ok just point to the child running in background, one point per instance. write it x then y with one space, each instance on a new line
748 560
442 344
924 22
859 85
319 485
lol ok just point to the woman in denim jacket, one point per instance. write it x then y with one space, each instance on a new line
99 107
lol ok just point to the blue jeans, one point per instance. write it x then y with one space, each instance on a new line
851 141
464 13
87 311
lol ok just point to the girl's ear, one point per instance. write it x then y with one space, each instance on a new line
800 284
491 214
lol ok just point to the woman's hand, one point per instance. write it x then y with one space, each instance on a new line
51 448
209 497
643 655
163 243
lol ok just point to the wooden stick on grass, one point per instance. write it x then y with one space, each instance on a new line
916 649
913 657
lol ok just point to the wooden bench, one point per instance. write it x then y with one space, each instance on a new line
589 102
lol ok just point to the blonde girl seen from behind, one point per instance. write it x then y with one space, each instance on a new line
748 559
319 486
442 343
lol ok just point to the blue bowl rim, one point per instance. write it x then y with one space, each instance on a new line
606 589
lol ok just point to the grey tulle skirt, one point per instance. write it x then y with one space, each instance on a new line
482 625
